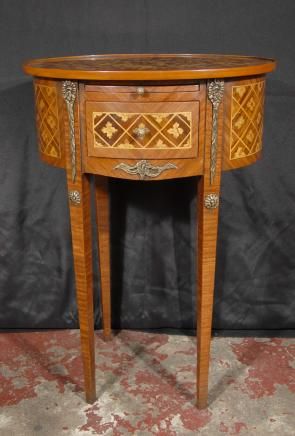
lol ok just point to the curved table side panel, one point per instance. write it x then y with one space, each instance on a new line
49 121
243 121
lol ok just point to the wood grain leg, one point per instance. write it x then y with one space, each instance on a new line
103 234
208 210
82 252
207 238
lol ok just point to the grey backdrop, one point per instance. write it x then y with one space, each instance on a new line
152 224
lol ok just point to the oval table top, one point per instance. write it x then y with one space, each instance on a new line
148 66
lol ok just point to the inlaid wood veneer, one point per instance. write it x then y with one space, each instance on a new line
48 120
244 106
124 129
146 117
159 130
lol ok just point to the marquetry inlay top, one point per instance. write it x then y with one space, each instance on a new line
149 66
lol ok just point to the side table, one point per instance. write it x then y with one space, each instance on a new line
146 117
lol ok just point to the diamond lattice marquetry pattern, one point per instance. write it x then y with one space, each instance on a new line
246 119
142 130
47 120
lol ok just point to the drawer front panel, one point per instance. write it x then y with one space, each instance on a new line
145 130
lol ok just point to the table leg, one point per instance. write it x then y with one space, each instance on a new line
207 237
103 234
79 200
208 210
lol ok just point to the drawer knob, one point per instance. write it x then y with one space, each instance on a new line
141 131
140 90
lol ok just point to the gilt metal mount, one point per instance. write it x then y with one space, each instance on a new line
75 197
144 169
211 201
215 94
69 92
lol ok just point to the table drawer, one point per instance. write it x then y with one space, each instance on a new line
155 130
142 92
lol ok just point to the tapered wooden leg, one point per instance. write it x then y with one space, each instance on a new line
103 232
79 202
208 209
207 236
82 252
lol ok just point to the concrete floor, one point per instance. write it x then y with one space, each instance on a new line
145 386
